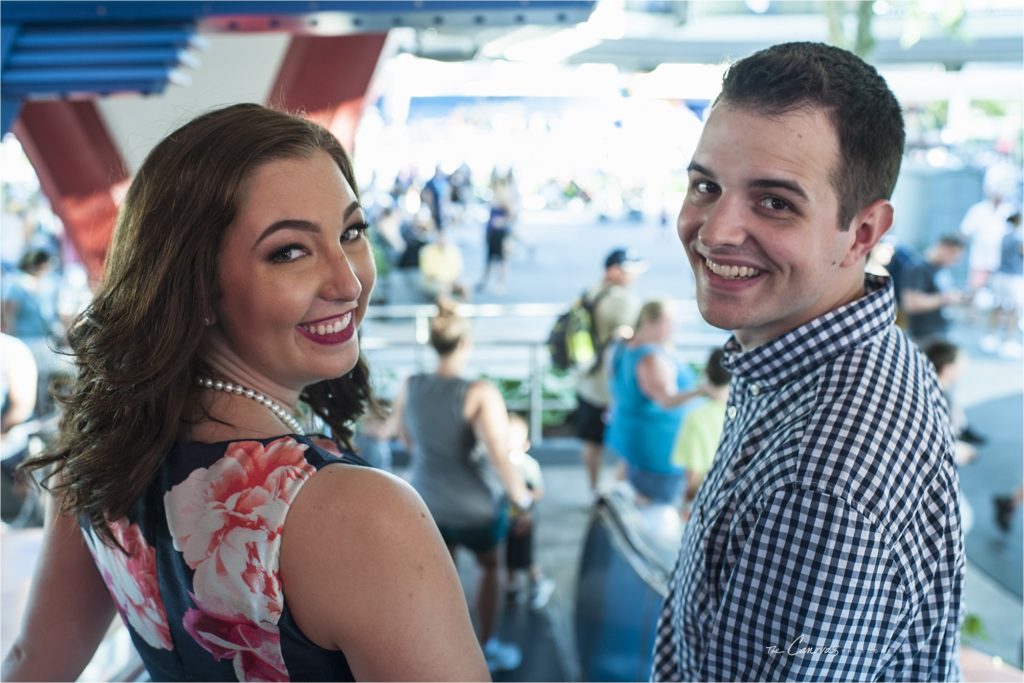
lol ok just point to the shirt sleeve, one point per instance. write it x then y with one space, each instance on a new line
813 594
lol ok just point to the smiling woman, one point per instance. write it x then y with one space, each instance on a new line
185 492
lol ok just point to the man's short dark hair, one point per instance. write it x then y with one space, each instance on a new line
866 115
717 375
953 241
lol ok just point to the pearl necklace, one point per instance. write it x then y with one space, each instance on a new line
237 389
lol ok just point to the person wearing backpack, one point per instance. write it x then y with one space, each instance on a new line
613 307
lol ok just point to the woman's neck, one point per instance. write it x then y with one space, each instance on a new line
450 365
644 337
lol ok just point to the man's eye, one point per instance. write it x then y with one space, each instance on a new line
774 204
705 187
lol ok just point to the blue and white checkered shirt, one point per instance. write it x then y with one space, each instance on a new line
825 543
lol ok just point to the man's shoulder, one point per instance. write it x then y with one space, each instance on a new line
876 430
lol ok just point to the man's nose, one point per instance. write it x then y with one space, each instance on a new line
725 223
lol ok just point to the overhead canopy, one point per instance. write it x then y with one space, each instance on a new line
54 50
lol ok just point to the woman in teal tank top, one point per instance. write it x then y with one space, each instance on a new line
651 392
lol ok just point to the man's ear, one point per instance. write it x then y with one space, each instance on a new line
867 227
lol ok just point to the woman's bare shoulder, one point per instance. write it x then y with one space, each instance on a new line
363 565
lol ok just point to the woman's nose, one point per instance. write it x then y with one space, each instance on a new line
340 281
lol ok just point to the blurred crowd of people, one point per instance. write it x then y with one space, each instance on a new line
416 219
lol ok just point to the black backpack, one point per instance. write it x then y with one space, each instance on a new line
573 341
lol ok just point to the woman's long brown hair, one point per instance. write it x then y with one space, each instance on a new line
136 344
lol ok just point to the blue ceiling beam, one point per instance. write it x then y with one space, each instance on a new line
61 12
56 48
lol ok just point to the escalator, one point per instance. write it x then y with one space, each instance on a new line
627 559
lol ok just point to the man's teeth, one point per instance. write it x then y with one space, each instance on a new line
329 328
731 272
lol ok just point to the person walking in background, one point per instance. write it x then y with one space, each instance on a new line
984 225
433 197
927 297
698 438
184 488
442 417
30 313
19 384
1008 288
441 269
816 550
615 309
1006 507
929 291
520 559
500 221
649 393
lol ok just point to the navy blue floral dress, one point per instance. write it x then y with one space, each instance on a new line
200 588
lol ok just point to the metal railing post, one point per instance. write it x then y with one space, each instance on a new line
422 338
536 396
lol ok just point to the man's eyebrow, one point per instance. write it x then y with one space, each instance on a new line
286 224
777 183
760 183
694 166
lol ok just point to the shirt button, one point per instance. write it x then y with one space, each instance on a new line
755 389
731 412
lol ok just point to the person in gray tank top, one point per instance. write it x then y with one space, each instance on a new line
455 430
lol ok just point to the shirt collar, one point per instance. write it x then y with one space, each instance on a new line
798 351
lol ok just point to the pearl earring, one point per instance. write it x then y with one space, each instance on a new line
207 320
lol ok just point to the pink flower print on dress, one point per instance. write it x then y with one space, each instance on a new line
131 580
227 521
255 652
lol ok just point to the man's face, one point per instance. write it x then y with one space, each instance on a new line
759 223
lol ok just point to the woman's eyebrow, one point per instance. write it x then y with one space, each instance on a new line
286 224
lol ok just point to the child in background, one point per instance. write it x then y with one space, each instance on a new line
374 433
519 557
702 428
945 357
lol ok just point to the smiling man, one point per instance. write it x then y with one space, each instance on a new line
825 542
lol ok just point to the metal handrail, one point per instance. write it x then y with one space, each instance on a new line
538 362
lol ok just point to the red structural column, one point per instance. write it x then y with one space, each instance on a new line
80 170
326 78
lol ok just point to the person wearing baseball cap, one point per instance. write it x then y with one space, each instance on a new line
615 308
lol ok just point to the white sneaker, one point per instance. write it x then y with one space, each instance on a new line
502 656
540 592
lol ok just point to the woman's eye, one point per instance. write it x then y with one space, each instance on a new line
289 253
354 232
